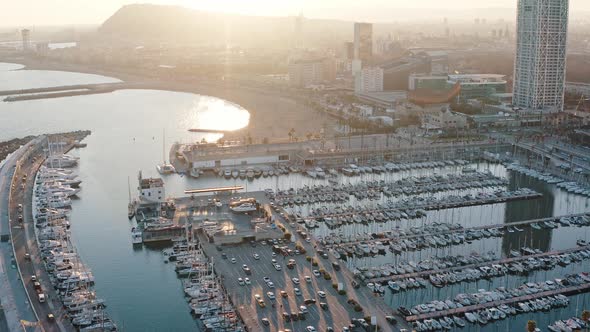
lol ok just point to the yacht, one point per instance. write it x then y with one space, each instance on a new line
136 236
244 207
166 169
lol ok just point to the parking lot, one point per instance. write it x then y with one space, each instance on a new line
337 314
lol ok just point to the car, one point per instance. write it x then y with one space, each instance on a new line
294 316
323 305
284 294
297 252
257 297
33 278
278 267
244 267
263 243
297 291
247 270
329 329
27 256
50 317
310 329
309 301
321 294
286 317
41 297
266 279
274 254
296 281
233 260
290 266
308 278
301 315
391 319
265 322
247 281
273 261
253 243
303 309
270 284
240 281
271 295
224 255
308 239
316 273
256 256
345 329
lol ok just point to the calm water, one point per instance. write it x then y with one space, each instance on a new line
143 293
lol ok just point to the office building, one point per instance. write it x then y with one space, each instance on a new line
369 79
26 36
539 68
363 41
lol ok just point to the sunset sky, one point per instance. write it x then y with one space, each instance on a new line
60 12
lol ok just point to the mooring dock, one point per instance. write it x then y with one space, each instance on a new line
459 230
460 311
476 265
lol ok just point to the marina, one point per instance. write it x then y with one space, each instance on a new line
444 192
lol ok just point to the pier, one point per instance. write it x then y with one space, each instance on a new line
486 263
461 230
428 206
460 311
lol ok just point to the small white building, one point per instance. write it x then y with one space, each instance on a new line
151 190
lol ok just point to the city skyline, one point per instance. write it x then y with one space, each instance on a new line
59 12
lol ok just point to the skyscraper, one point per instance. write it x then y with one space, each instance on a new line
363 41
539 67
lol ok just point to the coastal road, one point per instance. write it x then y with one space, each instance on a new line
13 298
23 239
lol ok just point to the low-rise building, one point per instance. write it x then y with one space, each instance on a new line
444 119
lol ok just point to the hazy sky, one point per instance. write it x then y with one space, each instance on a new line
60 12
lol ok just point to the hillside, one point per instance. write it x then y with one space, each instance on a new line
144 23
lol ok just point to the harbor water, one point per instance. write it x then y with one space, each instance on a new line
143 293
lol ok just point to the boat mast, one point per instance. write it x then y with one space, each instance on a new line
164 145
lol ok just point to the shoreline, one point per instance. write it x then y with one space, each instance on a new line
272 115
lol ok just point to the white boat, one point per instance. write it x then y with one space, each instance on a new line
244 207
165 168
136 236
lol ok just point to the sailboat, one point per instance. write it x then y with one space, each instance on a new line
131 205
165 168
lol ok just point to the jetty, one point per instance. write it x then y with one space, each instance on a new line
572 290
480 264
460 230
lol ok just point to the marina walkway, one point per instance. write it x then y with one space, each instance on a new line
471 266
460 230
460 311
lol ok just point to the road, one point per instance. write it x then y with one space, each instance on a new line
13 298
23 239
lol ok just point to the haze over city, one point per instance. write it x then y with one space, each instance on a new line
280 166
66 12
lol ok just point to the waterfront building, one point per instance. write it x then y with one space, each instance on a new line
306 72
539 66
475 86
363 41
151 190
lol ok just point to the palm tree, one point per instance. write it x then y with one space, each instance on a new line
531 326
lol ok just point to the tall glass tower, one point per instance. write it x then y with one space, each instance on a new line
539 67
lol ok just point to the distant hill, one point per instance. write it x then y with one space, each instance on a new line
144 23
